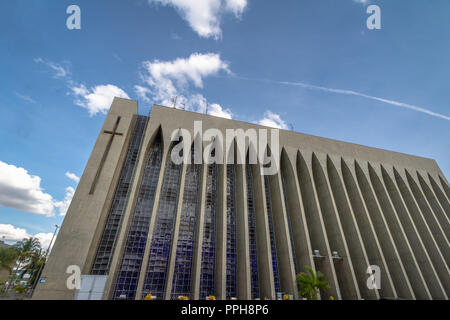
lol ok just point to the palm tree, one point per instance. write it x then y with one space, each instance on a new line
28 249
311 283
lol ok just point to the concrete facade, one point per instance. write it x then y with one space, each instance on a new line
370 206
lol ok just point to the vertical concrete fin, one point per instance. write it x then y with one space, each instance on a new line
265 269
152 224
445 203
428 213
414 238
368 232
221 239
428 236
398 273
398 234
316 227
197 260
149 140
174 246
294 204
282 235
350 228
435 205
243 249
343 265
445 186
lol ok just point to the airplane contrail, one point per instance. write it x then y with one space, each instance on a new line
351 93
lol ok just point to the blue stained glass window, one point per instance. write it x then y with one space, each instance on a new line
161 244
231 259
130 265
209 235
181 285
252 234
113 222
294 257
273 246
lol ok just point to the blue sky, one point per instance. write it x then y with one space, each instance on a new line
273 62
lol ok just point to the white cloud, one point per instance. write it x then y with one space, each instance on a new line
204 16
22 191
24 97
59 71
63 206
99 98
72 176
168 79
11 234
272 120
143 93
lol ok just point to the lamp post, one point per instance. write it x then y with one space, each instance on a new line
45 259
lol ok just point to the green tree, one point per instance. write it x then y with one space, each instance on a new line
311 283
8 256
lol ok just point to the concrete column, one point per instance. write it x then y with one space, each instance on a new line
316 227
197 259
300 234
445 186
440 194
431 235
414 237
282 237
221 229
407 255
344 267
396 268
368 233
264 252
144 265
435 205
176 229
350 228
148 140
242 236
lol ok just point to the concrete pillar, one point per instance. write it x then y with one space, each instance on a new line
264 252
336 237
242 236
350 228
425 208
152 220
294 203
396 267
316 227
148 140
368 233
404 248
440 194
282 237
197 259
414 237
221 229
435 205
428 236
173 248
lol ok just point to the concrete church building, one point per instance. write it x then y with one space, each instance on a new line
139 223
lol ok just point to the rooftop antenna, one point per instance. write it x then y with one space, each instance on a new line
174 100
207 104
291 127
184 106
